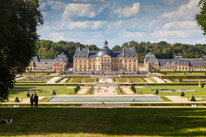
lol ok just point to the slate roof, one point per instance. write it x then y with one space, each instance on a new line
61 58
127 52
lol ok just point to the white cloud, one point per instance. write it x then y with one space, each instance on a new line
82 10
177 25
94 25
56 5
185 12
134 34
113 25
89 1
176 33
127 12
168 2
57 36
43 6
169 33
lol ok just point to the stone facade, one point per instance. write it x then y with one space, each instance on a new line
105 60
58 64
177 64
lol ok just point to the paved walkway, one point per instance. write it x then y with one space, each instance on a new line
83 90
127 90
178 99
52 80
19 78
105 91
158 80
105 80
63 80
148 81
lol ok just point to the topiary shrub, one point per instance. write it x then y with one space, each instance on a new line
28 94
157 92
193 98
54 92
180 79
17 99
182 94
133 88
202 85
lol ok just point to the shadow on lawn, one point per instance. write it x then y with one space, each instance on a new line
118 121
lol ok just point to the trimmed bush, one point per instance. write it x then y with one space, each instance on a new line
133 88
54 92
17 99
193 98
202 85
157 92
28 94
182 94
77 89
180 79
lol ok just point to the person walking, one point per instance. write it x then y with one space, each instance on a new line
36 99
32 100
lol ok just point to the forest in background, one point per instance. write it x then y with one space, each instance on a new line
47 49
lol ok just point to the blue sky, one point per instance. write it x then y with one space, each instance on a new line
119 21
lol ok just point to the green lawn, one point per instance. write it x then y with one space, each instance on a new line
136 80
38 73
186 74
75 80
121 80
191 80
104 122
90 80
200 91
22 91
35 79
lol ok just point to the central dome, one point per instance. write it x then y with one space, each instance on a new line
105 51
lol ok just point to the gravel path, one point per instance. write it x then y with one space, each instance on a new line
52 80
158 80
105 91
127 90
148 81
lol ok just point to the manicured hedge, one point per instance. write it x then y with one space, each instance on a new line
40 105
60 79
167 104
183 77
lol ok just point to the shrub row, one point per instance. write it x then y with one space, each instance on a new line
76 89
183 77
41 105
58 80
167 104
90 90
133 88
120 90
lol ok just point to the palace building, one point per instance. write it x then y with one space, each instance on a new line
105 60
59 64
151 63
108 61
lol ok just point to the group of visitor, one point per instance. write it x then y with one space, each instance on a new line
34 100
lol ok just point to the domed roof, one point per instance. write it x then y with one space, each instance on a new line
105 51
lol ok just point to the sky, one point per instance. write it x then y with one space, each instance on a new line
120 21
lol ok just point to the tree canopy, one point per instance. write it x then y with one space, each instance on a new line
47 49
18 26
201 17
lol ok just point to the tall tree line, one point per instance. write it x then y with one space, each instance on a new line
48 49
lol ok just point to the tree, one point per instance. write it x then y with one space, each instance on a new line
28 94
54 92
182 94
157 92
193 98
18 26
116 48
16 99
201 19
